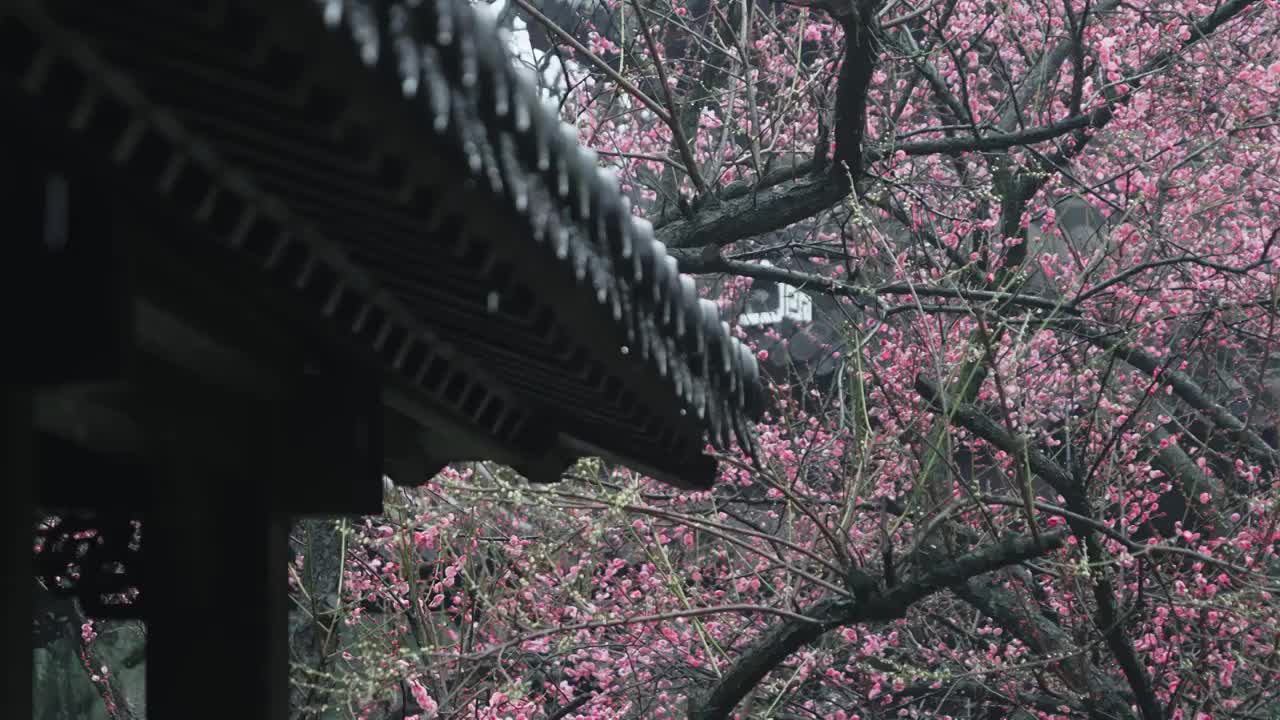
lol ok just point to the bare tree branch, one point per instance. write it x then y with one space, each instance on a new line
596 62
745 217
709 261
677 132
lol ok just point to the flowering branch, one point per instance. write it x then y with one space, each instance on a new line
775 646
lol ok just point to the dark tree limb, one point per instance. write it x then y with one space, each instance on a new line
1107 617
706 215
709 260
853 85
1045 637
741 189
568 709
566 37
1108 700
1200 30
1263 259
1186 388
945 146
677 130
969 690
749 210
985 427
735 219
768 210
1002 140
869 604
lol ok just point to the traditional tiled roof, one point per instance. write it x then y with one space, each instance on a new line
388 164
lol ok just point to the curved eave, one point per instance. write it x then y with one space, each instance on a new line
290 143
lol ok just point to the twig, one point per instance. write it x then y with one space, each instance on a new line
677 132
601 65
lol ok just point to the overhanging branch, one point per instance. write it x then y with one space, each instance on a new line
1186 388
1107 617
773 209
707 260
785 638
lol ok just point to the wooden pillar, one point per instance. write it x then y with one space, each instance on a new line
216 559
17 514
217 631
17 473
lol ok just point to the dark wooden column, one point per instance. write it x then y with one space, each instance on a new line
16 456
216 557
16 472
17 513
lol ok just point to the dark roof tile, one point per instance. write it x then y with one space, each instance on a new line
436 165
